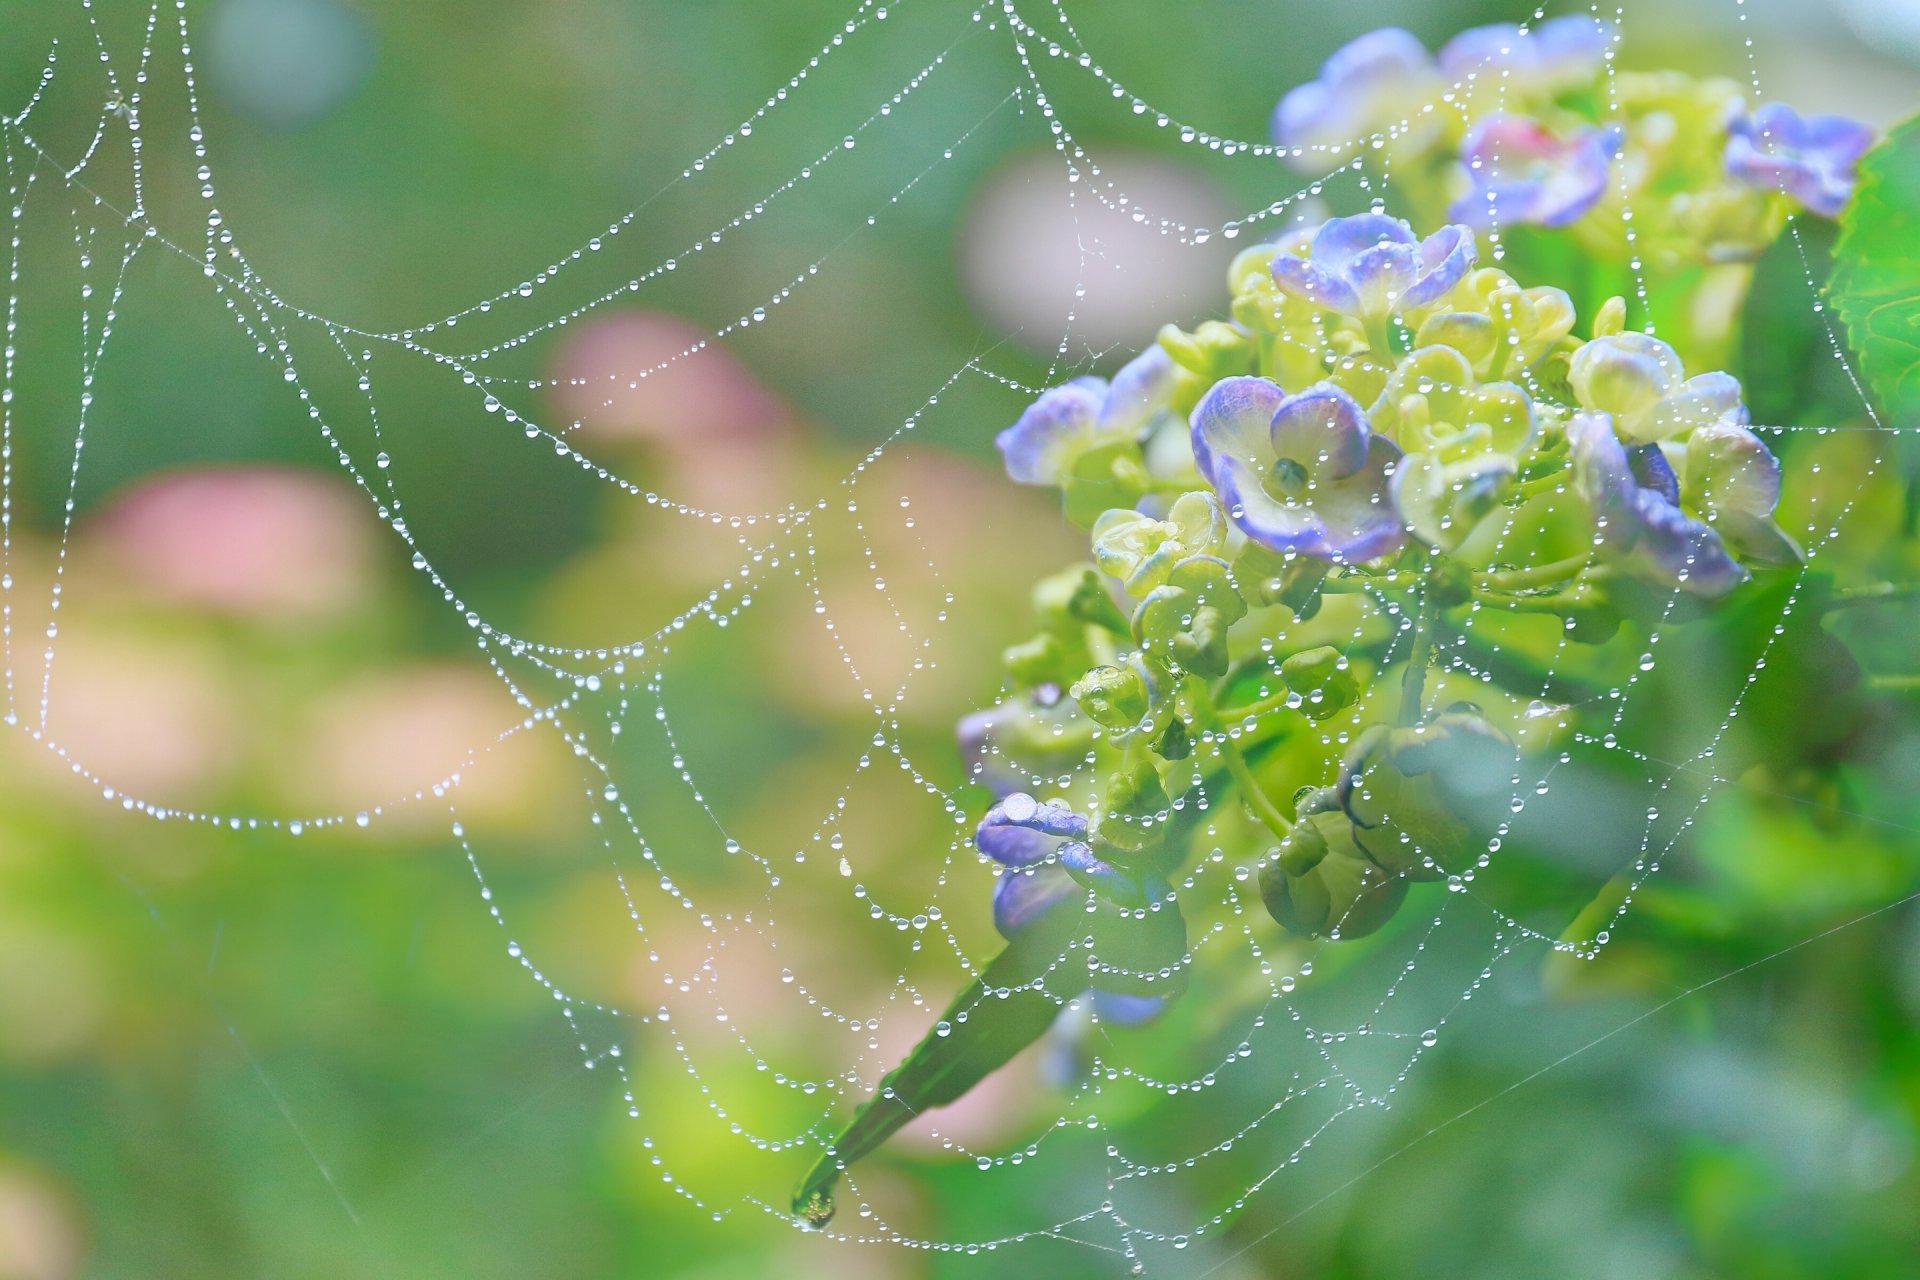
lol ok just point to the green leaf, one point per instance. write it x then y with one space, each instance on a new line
1048 963
1876 277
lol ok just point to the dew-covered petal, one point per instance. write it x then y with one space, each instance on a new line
1019 830
1357 515
1323 429
1233 420
1733 480
1730 470
1314 283
1680 551
1022 896
1624 374
1269 521
1141 388
1340 240
1445 258
1035 448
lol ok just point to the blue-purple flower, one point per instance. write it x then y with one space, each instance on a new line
1367 86
1733 480
1635 501
1043 846
1068 420
1371 265
1524 173
1301 473
1558 54
1639 380
1814 159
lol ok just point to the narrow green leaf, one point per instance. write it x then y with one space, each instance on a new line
1050 962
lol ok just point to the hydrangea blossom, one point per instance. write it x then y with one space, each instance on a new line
1635 501
1464 440
1640 382
1070 419
1733 480
1369 266
1813 159
1300 473
1044 847
1368 85
1556 55
1524 173
1140 550
1497 325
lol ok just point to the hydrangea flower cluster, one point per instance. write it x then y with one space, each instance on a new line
1397 424
1378 419
1517 129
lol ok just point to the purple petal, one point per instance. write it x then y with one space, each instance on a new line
1021 897
1681 551
1020 830
1138 391
1323 429
1035 447
1125 1010
1380 52
1234 420
1480 49
1651 470
1359 88
1447 255
1357 513
1281 526
1314 283
1811 159
1570 48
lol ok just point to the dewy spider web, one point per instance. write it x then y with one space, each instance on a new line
1290 1056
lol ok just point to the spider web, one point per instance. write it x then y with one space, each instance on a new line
1282 1048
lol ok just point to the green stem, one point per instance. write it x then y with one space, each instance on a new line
1539 575
1380 336
1894 683
1413 680
1251 791
1552 482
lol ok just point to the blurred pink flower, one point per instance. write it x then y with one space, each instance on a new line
387 736
258 540
611 384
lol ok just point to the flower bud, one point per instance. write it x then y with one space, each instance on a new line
1321 678
1072 598
1134 802
1041 660
1420 797
1323 884
1115 697
1186 620
1611 318
1214 350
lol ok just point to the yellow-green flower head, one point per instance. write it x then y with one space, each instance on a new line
1141 550
1434 403
1463 439
1497 325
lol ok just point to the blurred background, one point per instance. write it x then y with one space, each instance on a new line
244 1052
